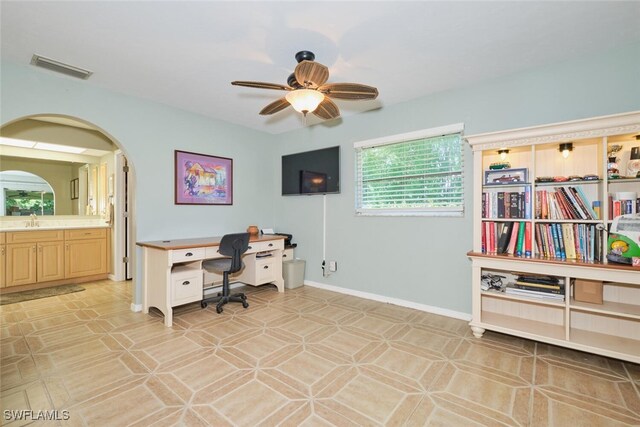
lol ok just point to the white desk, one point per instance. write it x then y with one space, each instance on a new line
173 272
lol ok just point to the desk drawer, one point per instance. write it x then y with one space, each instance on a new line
265 270
186 287
287 255
85 233
34 236
269 245
182 255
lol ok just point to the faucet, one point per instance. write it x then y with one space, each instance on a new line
33 221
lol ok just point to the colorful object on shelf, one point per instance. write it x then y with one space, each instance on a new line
505 176
544 179
633 167
613 170
499 165
624 239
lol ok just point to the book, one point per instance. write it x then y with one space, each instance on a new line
527 239
544 208
500 204
527 202
539 285
540 278
552 249
520 242
570 192
563 253
534 294
558 290
584 204
570 245
511 249
556 245
588 205
505 236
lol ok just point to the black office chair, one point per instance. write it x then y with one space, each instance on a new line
232 246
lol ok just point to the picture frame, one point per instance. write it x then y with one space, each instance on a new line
506 176
202 179
74 188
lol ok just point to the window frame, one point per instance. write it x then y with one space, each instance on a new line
450 211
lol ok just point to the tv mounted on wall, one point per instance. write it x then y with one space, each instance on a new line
311 172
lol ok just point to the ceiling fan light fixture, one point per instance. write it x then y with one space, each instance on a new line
304 100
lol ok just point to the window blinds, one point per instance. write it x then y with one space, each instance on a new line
421 176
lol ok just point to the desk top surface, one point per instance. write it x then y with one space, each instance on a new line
199 242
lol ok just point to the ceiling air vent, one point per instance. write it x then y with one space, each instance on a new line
60 67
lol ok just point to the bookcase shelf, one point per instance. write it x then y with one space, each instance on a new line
496 294
611 328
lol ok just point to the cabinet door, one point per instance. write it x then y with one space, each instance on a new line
85 257
186 287
3 274
21 264
50 261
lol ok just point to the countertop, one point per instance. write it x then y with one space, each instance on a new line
199 242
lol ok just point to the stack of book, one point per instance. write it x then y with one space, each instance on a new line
569 241
564 203
538 287
513 238
506 204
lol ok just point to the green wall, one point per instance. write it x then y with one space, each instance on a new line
421 260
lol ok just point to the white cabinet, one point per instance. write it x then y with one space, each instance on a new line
612 328
186 284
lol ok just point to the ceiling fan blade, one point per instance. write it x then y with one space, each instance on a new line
310 73
327 110
353 91
275 106
261 85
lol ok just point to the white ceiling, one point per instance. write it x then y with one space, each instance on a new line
185 54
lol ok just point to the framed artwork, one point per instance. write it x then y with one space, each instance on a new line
74 188
201 179
505 176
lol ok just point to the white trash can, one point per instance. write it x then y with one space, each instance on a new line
293 273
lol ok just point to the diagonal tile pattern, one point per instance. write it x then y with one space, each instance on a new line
308 357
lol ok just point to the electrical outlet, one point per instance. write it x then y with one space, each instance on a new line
333 266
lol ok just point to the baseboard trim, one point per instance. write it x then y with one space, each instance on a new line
136 307
389 300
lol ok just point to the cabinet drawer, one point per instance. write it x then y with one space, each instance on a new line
2 238
182 255
34 236
287 255
265 246
85 233
186 287
265 271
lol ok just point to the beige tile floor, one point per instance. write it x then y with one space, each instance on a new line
308 357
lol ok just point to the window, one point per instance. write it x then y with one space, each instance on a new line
418 173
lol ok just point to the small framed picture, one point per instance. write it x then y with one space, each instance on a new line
74 188
506 176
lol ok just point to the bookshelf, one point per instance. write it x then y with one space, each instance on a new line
565 233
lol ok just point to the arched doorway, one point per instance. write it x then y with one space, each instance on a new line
93 167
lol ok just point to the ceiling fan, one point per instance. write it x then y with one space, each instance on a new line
309 92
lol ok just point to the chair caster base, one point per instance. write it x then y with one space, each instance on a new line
221 300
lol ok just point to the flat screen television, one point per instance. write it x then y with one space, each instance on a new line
311 172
